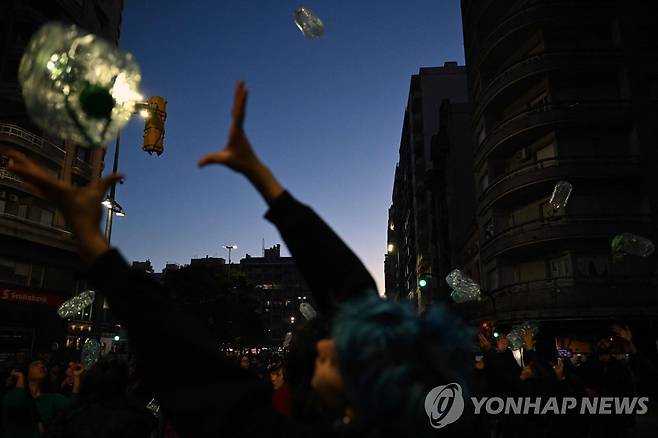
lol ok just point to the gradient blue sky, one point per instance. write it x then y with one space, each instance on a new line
324 114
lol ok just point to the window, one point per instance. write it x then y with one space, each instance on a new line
22 272
545 154
22 211
83 154
592 266
560 267
524 214
36 276
46 217
3 204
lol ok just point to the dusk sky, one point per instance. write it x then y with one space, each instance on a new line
324 114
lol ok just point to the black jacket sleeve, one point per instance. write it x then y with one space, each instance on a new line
205 394
332 271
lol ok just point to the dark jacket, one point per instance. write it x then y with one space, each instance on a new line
204 394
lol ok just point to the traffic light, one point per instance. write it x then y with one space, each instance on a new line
424 281
155 125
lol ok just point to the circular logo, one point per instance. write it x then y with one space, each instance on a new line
444 405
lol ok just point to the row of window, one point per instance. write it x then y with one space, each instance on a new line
585 266
14 206
36 275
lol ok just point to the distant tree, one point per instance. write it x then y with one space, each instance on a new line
226 306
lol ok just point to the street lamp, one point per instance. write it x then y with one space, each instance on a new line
113 206
229 248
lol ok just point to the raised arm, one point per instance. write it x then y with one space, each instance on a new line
203 393
333 272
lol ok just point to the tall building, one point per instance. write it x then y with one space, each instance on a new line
455 235
281 289
411 251
563 91
39 266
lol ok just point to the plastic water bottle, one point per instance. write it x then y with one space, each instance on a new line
91 352
529 327
631 244
77 86
515 339
464 288
74 305
307 311
309 23
560 196
287 340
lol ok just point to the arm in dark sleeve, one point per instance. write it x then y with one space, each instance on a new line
201 391
332 271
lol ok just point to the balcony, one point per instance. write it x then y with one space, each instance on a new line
546 172
526 237
557 12
604 113
542 63
569 297
10 180
22 228
17 135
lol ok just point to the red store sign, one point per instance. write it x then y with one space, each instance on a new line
21 296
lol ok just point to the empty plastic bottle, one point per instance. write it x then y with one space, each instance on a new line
287 340
464 288
631 244
74 305
307 311
561 193
309 23
529 327
91 352
515 339
77 86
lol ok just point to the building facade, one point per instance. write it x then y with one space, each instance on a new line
39 266
563 91
280 290
412 252
451 184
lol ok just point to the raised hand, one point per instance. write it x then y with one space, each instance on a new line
484 343
81 206
238 153
529 341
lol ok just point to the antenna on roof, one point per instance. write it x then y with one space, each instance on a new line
263 250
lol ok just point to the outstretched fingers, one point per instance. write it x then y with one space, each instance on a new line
34 175
239 104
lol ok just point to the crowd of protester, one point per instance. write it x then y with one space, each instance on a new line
363 367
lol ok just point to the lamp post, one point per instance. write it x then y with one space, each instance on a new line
229 248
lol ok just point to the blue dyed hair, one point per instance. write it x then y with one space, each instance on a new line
391 357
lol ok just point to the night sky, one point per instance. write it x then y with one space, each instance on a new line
324 114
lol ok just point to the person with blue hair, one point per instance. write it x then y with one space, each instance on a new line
377 368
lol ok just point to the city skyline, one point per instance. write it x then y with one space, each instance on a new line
338 99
